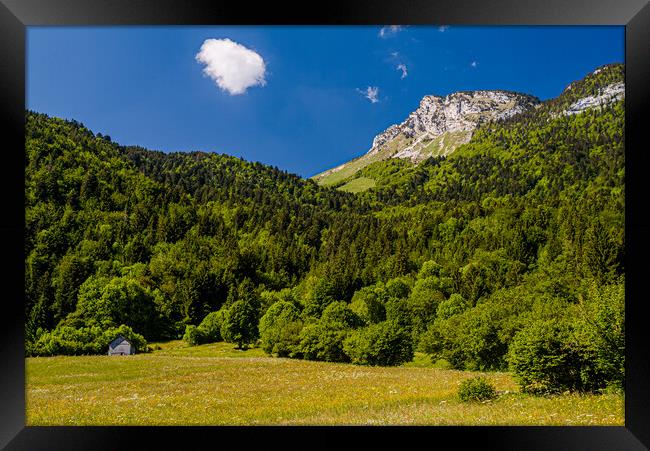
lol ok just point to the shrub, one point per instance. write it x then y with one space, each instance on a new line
476 389
318 342
583 352
455 305
67 340
193 335
211 326
423 302
309 345
268 298
240 324
601 331
280 329
209 331
323 340
432 341
385 344
433 284
545 358
339 315
476 339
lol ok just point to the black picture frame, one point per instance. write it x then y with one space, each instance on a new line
16 15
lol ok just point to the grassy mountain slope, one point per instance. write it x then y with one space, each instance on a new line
444 144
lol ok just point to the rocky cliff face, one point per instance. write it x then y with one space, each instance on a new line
458 114
609 94
436 128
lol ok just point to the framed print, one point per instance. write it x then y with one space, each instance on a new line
425 215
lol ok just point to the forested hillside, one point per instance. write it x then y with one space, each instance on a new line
509 253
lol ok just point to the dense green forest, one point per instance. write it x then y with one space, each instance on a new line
508 254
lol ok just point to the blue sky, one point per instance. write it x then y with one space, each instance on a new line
303 102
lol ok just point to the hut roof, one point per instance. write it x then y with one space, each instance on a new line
120 339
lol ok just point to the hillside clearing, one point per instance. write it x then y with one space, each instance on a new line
358 185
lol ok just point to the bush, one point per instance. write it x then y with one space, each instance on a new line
280 329
469 341
211 326
309 345
397 288
545 358
268 298
386 344
240 324
193 335
209 331
67 340
601 332
455 305
585 351
323 340
318 342
423 302
476 389
478 338
339 315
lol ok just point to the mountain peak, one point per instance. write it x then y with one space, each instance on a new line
440 124
436 128
458 113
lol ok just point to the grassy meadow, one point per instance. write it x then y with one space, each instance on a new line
215 384
358 185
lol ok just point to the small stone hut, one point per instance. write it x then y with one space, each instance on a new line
120 346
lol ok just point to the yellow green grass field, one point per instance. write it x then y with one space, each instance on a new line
358 185
217 385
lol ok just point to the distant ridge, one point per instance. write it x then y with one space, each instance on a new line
441 124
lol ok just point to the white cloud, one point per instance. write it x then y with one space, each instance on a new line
474 64
404 69
395 58
233 67
371 93
389 30
443 28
